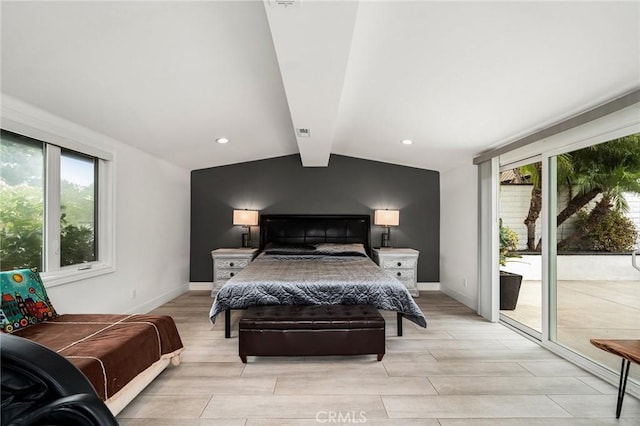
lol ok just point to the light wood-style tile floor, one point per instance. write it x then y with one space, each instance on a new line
460 370
586 310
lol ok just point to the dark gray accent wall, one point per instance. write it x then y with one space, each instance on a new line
347 186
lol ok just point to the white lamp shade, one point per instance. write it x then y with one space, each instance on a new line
245 217
386 217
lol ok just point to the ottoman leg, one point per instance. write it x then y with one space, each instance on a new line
243 358
380 357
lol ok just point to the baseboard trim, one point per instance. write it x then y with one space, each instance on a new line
159 300
199 286
460 297
430 286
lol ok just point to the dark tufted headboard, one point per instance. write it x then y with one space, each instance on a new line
311 229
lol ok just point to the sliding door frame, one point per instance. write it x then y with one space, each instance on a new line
621 122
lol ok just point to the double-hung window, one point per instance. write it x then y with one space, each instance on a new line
52 209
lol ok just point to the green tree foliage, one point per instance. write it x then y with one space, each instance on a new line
609 169
22 209
78 203
21 227
508 244
76 244
21 222
21 160
532 173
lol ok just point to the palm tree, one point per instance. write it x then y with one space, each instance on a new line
535 204
534 175
609 169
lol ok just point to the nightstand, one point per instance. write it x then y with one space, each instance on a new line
401 263
227 262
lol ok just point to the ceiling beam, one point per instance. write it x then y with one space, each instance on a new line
312 41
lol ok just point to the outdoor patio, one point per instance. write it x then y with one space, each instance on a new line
586 310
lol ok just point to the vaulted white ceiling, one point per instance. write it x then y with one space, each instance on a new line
455 77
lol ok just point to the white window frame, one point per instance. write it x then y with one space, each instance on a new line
29 121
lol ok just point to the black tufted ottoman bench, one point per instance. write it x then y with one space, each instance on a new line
311 330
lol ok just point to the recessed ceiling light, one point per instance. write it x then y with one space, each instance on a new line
222 140
406 142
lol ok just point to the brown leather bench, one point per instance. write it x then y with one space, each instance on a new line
311 330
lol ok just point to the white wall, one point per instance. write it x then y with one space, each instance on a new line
459 234
514 206
578 268
152 225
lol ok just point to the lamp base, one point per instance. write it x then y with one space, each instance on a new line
385 240
246 240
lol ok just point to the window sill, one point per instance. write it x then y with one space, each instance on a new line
71 274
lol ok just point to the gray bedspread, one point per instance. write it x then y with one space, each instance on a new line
315 280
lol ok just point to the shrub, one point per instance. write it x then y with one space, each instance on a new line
615 233
508 243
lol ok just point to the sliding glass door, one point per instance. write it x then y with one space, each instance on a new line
594 288
561 208
519 211
568 223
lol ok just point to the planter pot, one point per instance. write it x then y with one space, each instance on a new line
509 290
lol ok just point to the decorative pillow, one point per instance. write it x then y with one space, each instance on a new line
276 248
337 249
24 300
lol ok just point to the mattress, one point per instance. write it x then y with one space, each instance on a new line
315 280
111 350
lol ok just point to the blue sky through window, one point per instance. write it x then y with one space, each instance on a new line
77 170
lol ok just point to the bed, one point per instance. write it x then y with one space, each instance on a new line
315 260
119 354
